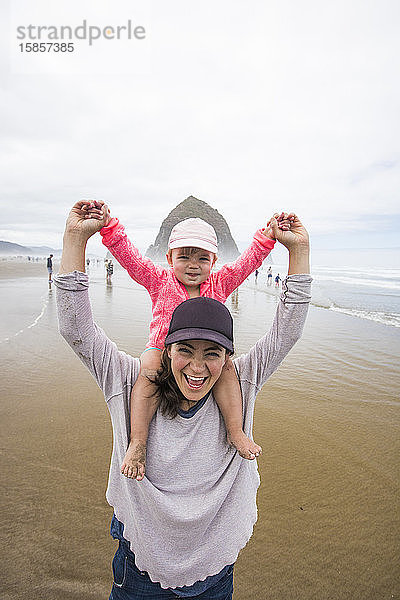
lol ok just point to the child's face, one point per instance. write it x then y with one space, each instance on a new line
191 266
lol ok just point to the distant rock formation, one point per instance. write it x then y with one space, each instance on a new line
193 207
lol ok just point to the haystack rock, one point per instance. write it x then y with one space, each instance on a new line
193 207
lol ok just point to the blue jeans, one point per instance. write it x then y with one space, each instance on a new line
131 584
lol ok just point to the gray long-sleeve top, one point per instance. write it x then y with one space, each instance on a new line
196 508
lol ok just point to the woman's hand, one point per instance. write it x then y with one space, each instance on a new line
293 238
296 241
282 221
86 218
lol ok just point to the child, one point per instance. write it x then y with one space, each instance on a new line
192 252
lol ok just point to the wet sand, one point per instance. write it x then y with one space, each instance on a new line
10 269
328 422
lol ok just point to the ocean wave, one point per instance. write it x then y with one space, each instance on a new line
322 299
359 272
392 319
375 283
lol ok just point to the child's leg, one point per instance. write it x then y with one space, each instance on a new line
228 396
143 407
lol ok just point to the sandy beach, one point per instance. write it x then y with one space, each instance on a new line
9 269
328 421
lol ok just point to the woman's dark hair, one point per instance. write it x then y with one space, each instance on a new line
168 394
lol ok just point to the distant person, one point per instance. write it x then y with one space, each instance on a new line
269 276
109 271
256 275
88 262
277 281
192 252
50 267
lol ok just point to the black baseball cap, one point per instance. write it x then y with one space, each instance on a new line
201 319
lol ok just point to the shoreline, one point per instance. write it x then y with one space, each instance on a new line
16 268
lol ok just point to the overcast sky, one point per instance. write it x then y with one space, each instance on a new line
251 106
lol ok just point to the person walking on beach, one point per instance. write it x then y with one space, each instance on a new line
179 536
109 271
192 252
269 276
50 267
277 281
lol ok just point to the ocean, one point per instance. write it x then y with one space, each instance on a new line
362 283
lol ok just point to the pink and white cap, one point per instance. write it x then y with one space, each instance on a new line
193 233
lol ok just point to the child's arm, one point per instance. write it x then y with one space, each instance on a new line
141 269
231 275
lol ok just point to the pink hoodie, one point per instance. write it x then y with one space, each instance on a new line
166 292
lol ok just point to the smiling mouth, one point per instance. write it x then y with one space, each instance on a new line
195 383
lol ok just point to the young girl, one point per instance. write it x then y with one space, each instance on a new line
192 252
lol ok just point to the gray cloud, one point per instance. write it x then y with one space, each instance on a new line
251 108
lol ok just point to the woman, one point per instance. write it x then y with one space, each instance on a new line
182 527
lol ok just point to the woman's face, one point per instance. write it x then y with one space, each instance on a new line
196 366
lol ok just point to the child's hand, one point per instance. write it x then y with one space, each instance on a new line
284 221
94 210
292 237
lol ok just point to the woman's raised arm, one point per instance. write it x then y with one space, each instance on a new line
267 354
112 369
